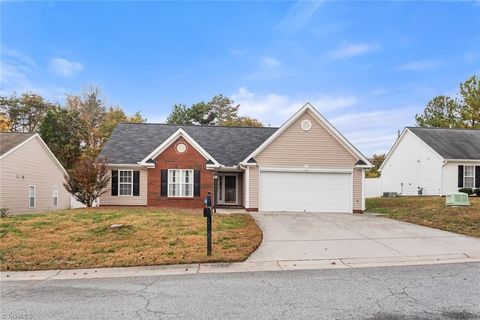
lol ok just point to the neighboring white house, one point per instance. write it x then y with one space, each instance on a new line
437 160
31 178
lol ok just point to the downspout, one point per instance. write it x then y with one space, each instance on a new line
443 170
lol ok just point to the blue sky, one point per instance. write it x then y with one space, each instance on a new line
369 67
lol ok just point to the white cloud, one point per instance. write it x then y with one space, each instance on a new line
420 65
372 131
266 67
349 50
64 67
270 62
20 73
299 15
274 109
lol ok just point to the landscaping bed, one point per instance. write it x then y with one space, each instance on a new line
430 212
82 238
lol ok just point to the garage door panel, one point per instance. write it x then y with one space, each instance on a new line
305 191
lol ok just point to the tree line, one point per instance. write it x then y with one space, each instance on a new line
219 111
462 111
77 129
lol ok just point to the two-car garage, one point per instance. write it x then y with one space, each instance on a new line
317 191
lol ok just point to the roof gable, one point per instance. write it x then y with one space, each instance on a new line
177 134
329 128
11 140
451 144
131 143
25 140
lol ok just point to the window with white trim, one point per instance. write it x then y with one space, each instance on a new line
180 183
469 177
32 194
125 182
55 196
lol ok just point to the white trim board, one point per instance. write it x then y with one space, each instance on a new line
177 134
323 122
325 170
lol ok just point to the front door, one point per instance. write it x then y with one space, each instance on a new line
227 189
230 189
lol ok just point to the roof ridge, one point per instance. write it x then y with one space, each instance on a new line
194 125
431 128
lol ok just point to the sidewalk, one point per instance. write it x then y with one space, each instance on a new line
247 266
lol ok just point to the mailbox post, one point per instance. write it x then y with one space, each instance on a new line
207 213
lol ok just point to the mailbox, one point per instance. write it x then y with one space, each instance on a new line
208 200
207 212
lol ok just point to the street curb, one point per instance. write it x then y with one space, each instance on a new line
234 267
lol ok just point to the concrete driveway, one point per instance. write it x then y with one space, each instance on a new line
316 236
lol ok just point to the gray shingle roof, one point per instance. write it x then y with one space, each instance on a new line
9 140
451 143
132 142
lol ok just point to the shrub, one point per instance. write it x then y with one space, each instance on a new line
477 192
468 191
4 212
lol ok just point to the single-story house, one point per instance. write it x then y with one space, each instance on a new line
305 165
31 178
439 161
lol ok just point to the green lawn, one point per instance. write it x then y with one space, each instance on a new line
82 238
430 212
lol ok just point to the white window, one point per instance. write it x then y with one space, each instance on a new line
32 194
180 183
125 182
55 196
469 177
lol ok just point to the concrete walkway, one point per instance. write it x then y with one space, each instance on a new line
247 266
320 236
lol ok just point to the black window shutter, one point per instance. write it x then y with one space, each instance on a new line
460 176
477 176
114 182
196 183
163 183
136 183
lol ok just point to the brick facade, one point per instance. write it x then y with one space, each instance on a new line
170 158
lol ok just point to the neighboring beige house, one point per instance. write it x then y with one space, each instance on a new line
305 165
31 178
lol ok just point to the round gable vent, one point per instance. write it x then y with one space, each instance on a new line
306 125
181 148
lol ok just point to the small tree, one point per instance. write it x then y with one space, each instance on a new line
88 180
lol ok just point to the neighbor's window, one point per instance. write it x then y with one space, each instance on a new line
125 182
469 177
180 183
32 193
55 196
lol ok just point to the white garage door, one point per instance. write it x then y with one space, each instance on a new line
305 191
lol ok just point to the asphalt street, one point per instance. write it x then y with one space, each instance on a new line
449 291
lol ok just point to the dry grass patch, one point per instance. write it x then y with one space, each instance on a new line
83 238
431 212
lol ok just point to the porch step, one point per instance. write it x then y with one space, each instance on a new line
230 210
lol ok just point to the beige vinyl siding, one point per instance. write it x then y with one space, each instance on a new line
108 200
253 187
31 164
315 147
357 189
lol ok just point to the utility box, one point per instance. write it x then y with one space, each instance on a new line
457 199
390 194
